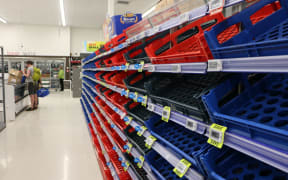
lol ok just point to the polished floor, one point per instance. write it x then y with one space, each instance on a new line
51 143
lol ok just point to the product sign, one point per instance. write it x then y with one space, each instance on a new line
129 18
92 46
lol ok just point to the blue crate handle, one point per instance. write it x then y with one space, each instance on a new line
249 29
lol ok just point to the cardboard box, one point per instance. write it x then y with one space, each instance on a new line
15 76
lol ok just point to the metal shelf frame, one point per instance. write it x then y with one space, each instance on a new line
264 153
168 155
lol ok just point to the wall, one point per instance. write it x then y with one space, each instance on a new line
46 40
80 35
35 40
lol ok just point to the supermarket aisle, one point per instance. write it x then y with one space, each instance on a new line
51 143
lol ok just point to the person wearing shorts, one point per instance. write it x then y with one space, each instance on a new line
28 73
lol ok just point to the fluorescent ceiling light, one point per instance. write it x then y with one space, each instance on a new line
149 11
3 20
62 12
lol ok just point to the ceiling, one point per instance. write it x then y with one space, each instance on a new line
78 13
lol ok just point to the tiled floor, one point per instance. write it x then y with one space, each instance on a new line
51 143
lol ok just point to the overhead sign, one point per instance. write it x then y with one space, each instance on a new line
92 46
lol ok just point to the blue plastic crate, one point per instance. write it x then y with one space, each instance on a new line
87 104
267 37
161 168
43 92
89 65
90 82
230 164
90 74
186 143
89 57
85 113
253 106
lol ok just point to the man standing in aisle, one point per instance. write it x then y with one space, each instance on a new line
28 73
61 78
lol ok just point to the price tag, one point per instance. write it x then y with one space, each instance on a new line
140 131
191 124
156 29
135 97
150 141
122 115
127 120
181 168
141 66
176 68
216 6
151 107
127 67
126 165
184 17
116 109
216 135
215 65
144 101
113 68
127 93
118 68
112 126
123 67
151 68
139 99
141 162
166 113
128 148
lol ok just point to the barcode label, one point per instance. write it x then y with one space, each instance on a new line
127 120
151 107
215 5
151 68
176 68
184 17
135 97
216 135
166 113
191 124
182 167
127 67
215 65
144 101
129 148
150 141
141 66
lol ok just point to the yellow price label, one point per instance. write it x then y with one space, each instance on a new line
141 66
216 135
182 167
141 131
166 113
144 102
127 93
129 148
136 97
127 67
150 141
140 164
127 164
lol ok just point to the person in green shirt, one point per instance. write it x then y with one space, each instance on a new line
61 78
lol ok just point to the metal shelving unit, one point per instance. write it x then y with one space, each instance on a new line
265 153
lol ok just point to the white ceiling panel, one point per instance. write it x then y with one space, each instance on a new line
78 13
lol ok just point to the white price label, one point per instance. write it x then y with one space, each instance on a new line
191 124
150 141
122 115
184 17
182 167
215 65
151 107
176 68
214 5
151 68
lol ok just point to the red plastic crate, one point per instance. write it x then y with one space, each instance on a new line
187 44
98 74
106 173
116 59
123 175
119 101
265 12
117 79
107 145
121 38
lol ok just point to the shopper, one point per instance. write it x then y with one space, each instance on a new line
28 73
61 78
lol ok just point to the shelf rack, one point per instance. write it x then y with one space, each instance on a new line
165 153
264 153
107 159
117 150
185 17
145 165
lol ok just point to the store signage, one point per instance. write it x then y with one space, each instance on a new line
92 46
129 18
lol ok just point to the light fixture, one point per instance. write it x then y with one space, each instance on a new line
149 11
62 12
3 20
